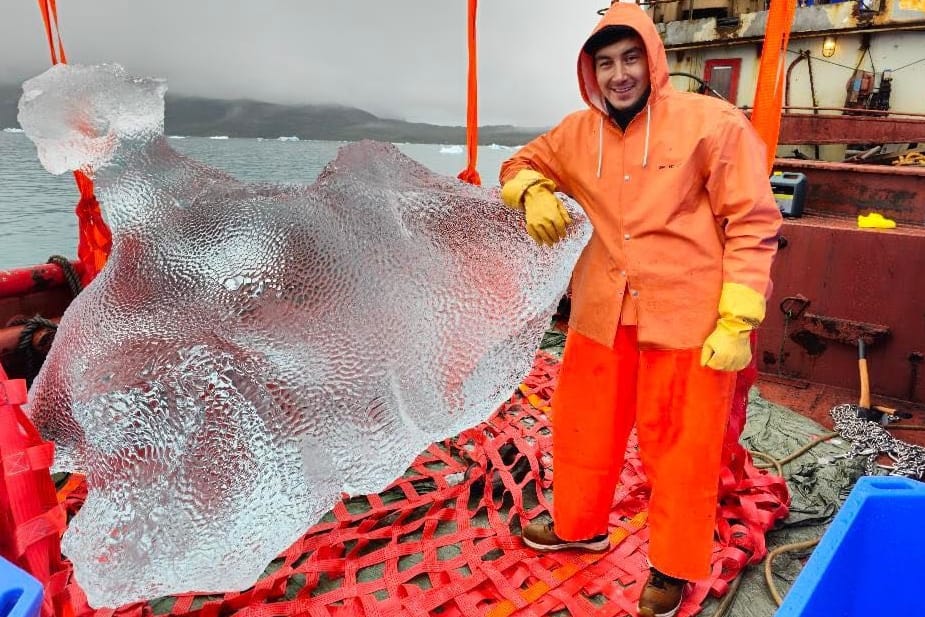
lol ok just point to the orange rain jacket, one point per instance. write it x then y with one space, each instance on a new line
680 203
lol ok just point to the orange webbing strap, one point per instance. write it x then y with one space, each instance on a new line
769 95
49 10
94 238
74 482
31 520
563 573
470 174
534 399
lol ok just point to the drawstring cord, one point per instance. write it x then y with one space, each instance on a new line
600 141
600 147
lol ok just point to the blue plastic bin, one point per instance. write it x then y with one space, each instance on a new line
871 560
20 594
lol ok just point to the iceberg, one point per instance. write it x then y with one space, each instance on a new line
251 351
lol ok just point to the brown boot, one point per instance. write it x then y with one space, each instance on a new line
542 537
661 597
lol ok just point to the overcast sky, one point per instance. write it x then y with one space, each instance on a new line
395 58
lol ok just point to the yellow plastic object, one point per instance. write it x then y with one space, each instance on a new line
875 220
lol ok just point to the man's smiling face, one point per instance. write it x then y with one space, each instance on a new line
622 71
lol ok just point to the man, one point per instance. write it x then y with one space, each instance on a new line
664 297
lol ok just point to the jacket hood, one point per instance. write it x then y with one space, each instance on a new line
633 16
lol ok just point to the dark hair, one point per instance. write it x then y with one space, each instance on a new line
606 36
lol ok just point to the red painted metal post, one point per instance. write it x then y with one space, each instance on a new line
20 281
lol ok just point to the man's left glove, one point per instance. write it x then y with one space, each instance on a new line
741 310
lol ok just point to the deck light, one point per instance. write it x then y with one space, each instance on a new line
828 46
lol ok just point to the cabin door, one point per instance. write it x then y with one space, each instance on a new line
723 76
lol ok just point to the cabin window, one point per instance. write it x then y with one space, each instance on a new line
723 76
718 12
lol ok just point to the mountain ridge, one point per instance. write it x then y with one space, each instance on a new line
206 117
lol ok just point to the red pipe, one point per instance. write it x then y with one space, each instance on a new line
790 68
21 281
9 337
857 111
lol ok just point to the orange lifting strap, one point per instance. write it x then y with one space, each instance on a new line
769 95
470 174
95 240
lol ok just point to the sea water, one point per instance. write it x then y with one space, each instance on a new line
37 208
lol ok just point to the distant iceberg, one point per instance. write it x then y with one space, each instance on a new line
292 138
451 149
219 137
12 130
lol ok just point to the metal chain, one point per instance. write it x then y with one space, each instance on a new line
870 439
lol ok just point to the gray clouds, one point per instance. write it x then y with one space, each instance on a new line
395 58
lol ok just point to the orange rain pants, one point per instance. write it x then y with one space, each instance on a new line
680 410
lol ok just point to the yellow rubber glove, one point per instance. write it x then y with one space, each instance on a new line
741 310
545 215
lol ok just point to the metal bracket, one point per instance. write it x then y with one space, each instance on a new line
812 331
845 331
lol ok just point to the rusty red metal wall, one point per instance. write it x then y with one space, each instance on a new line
829 128
849 275
847 189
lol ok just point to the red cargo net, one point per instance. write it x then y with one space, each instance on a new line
444 539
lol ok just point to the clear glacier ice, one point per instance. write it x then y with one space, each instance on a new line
251 351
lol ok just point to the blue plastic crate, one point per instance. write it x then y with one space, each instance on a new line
871 560
20 594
